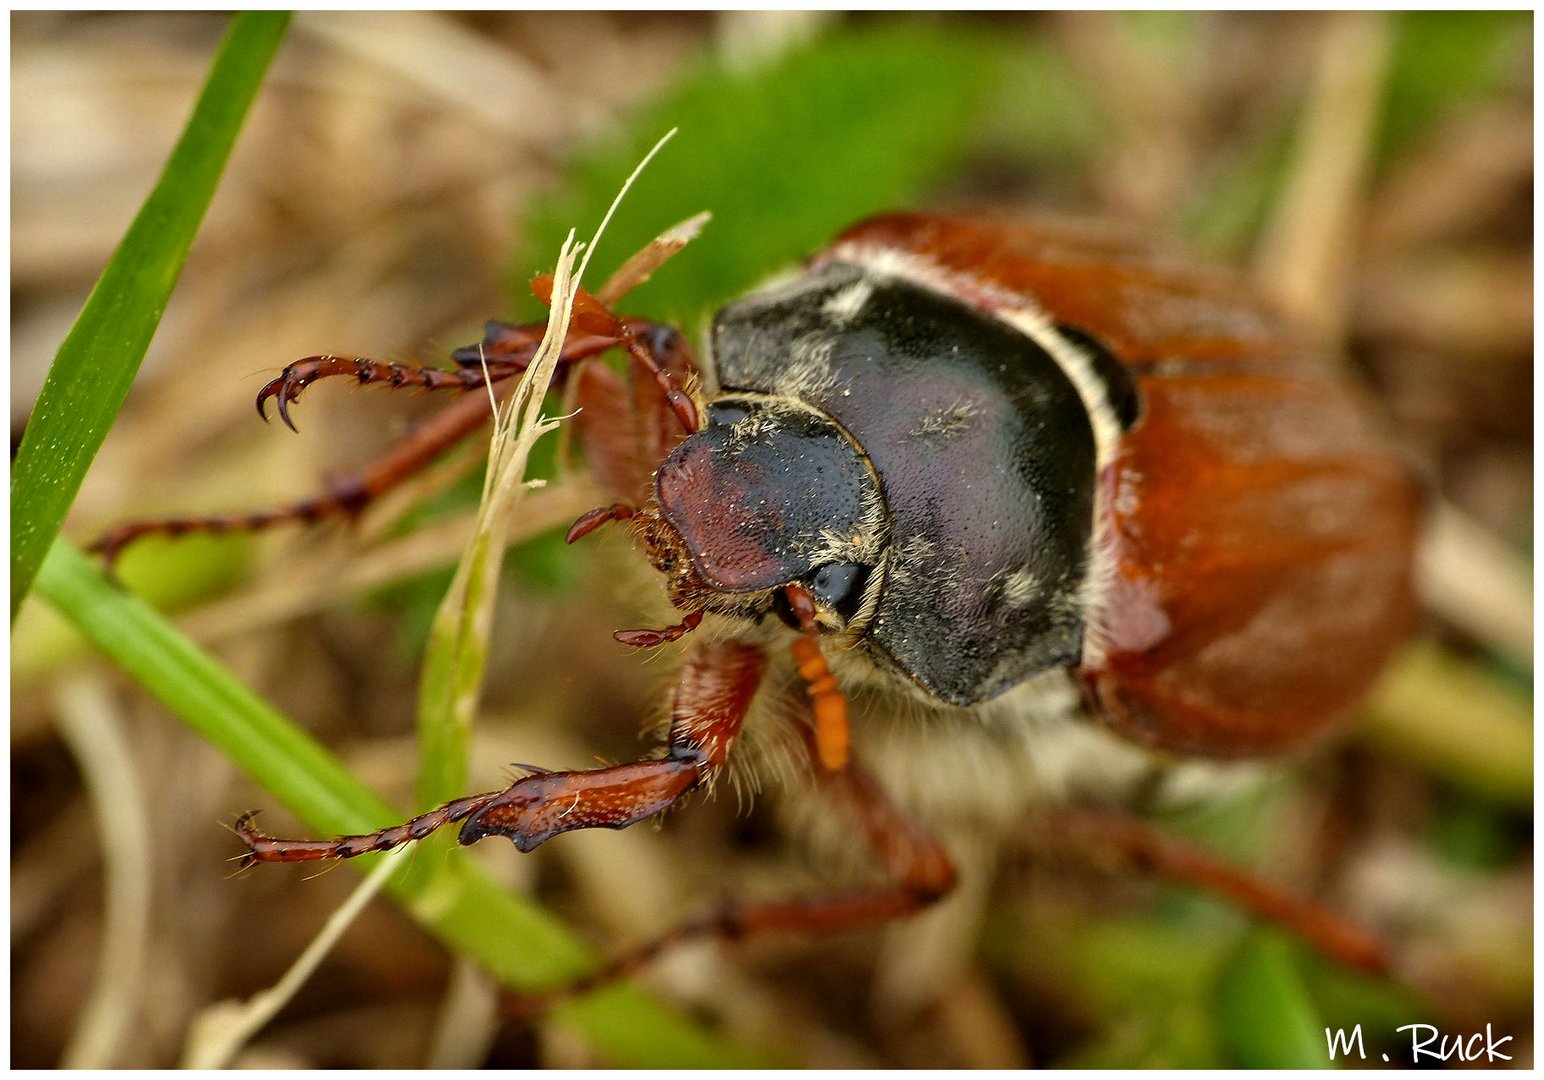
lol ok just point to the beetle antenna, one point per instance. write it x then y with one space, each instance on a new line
833 735
647 639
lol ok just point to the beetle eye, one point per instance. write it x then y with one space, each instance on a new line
840 587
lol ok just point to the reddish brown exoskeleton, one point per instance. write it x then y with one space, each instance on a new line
1040 502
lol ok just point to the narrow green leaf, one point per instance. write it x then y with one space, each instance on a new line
96 364
513 939
1263 1009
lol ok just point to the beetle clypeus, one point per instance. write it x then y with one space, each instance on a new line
1069 512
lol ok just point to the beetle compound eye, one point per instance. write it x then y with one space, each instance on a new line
840 587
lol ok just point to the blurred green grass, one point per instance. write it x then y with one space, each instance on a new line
783 154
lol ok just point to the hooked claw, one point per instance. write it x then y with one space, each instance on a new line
286 388
250 836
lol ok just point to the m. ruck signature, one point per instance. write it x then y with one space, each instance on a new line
1427 1044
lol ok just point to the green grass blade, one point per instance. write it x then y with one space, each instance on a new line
517 942
96 364
1264 1011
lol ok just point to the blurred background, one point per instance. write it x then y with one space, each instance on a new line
399 179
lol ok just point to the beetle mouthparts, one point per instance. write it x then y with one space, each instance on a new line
647 639
833 735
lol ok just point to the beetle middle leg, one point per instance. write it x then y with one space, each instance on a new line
347 495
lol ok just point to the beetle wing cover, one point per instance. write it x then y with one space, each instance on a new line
1259 528
1263 575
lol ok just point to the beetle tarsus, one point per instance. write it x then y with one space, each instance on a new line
264 848
289 384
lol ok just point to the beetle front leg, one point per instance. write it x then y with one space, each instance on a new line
713 695
347 496
919 869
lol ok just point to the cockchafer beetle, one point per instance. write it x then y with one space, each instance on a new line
1050 504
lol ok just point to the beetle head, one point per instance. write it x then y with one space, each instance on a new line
770 493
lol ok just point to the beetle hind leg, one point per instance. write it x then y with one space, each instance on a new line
112 543
1146 848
